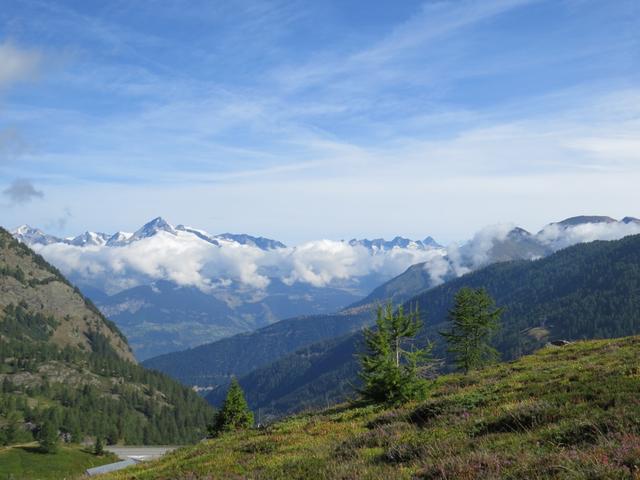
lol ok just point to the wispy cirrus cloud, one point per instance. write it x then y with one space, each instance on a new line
320 112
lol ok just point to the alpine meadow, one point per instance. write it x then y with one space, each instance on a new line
284 240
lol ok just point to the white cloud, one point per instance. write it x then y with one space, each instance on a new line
189 261
558 237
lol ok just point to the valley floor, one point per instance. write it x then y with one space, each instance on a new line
569 412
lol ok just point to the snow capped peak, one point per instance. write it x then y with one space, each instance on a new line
22 229
153 227
33 236
382 245
118 239
89 238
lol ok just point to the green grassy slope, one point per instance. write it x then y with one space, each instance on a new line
568 412
26 462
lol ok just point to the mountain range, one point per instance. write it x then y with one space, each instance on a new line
211 365
172 288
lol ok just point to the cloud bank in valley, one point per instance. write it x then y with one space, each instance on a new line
187 260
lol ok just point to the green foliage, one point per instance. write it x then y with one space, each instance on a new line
234 414
28 462
98 447
563 413
392 367
474 320
83 393
48 437
18 322
118 400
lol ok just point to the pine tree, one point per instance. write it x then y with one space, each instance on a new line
234 414
392 368
475 319
11 429
98 448
48 437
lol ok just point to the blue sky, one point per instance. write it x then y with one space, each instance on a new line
328 119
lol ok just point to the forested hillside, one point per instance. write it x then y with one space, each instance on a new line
586 291
215 363
62 363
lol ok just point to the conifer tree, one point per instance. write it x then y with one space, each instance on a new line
474 319
234 414
98 448
392 367
48 437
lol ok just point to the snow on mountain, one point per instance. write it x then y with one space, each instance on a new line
201 234
244 239
90 239
191 257
34 236
382 245
152 228
118 239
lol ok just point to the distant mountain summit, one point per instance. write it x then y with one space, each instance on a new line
118 239
90 238
33 236
583 219
152 228
382 245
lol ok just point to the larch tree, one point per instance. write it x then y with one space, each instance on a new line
475 319
392 367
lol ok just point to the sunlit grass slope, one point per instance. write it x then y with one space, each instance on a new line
568 412
20 462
